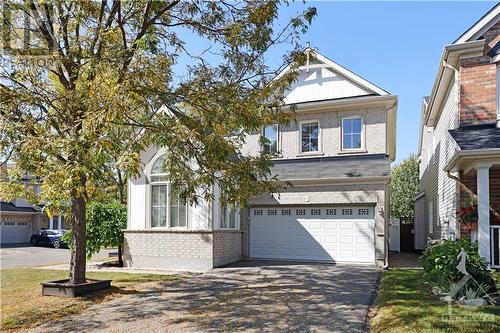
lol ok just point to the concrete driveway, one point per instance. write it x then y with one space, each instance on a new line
13 256
249 296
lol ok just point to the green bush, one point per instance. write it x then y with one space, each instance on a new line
440 265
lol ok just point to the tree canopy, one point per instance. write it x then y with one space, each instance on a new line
86 85
404 187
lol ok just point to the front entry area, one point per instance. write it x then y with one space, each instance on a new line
333 234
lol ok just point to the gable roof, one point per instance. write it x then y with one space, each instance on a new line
334 67
481 26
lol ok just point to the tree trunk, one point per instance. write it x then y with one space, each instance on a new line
120 255
78 251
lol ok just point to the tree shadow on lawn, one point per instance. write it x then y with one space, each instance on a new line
273 298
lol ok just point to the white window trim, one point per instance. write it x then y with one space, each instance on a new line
236 221
278 141
430 217
320 146
362 148
150 199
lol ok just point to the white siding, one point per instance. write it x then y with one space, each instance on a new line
199 216
320 84
437 148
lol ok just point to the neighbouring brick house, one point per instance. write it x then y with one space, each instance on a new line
459 144
337 155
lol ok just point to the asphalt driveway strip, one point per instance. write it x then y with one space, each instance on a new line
251 296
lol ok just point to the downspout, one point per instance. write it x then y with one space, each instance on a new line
457 180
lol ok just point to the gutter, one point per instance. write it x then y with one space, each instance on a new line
338 103
453 52
483 153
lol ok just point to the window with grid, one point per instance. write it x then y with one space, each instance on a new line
309 137
257 212
300 212
363 211
286 212
351 133
315 211
346 211
271 212
331 211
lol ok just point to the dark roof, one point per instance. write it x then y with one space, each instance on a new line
495 50
10 207
353 166
484 136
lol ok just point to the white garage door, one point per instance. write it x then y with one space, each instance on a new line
15 232
339 234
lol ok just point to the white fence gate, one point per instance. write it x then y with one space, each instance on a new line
394 235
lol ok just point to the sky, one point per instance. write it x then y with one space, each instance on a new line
395 45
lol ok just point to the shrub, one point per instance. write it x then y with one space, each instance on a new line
440 266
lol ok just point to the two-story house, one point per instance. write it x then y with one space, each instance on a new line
337 156
459 145
19 218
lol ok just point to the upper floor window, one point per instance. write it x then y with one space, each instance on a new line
167 210
309 136
352 133
229 217
270 134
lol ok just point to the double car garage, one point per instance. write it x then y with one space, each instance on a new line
333 234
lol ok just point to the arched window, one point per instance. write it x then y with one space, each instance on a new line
167 211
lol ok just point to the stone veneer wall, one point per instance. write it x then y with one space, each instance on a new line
185 250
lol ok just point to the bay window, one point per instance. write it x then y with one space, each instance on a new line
167 210
229 217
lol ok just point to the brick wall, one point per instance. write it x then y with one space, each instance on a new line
227 246
469 182
190 250
478 84
167 249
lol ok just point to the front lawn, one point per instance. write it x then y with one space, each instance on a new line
23 306
405 305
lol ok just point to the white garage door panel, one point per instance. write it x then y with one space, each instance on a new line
344 234
15 232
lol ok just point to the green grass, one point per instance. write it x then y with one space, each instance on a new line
404 304
23 306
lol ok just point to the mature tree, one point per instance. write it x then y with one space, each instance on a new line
190 76
404 187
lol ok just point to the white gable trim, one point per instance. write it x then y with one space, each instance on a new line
481 26
338 69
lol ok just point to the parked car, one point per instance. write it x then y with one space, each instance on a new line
49 237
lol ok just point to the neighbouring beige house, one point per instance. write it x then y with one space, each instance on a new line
19 219
459 145
337 155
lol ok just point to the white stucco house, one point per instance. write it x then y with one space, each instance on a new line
336 155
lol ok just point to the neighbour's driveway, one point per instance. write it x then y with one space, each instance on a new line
29 256
248 296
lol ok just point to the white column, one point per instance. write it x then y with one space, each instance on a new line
51 223
483 208
59 223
